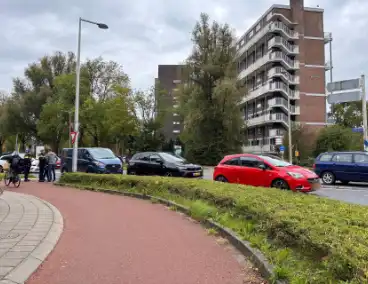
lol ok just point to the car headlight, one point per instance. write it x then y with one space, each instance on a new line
99 164
295 175
181 167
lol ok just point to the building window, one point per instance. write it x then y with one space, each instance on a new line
269 16
251 33
258 27
176 114
177 81
176 122
176 131
176 106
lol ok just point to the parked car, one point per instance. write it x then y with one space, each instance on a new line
92 160
342 166
162 164
4 165
34 166
259 170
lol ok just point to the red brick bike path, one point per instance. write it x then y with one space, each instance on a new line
120 240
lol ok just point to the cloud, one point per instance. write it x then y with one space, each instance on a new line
143 34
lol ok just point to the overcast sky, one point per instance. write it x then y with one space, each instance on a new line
145 33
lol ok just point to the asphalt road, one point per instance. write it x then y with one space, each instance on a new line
353 193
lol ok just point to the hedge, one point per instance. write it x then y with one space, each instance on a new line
330 236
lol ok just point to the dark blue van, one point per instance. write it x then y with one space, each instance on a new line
92 160
342 166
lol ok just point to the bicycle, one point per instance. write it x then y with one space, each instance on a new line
11 177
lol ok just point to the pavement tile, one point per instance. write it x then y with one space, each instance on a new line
27 235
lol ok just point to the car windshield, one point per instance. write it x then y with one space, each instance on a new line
275 162
172 158
101 153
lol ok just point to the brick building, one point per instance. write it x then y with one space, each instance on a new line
281 61
169 76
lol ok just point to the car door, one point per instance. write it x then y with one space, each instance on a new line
360 167
142 165
231 170
251 174
155 166
343 167
83 160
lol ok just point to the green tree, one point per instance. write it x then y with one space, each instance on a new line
338 138
348 114
209 99
149 111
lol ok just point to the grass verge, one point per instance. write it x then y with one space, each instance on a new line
308 239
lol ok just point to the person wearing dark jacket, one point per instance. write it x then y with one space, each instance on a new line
41 166
27 165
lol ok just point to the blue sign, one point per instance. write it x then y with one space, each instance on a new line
365 143
282 148
358 129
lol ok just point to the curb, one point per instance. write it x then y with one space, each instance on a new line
29 265
253 254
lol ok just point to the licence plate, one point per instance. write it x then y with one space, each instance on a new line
196 174
316 185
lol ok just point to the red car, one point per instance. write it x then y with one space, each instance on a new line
258 170
58 163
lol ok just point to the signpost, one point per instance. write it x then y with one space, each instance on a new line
351 91
282 150
73 135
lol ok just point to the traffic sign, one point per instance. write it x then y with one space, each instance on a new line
74 135
282 148
344 85
278 141
358 129
344 91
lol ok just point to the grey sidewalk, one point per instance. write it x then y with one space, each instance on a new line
29 230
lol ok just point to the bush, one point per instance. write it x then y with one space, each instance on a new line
330 236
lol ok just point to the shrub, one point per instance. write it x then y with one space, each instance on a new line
328 233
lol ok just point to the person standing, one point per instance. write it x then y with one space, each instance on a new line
27 165
41 166
51 165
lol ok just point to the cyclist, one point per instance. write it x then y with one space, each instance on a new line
14 161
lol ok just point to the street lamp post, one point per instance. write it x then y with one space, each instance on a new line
77 83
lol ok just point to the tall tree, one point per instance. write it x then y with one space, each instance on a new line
209 99
348 114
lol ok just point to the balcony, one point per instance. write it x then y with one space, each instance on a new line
257 148
271 56
278 102
284 29
327 37
269 88
269 28
280 42
268 118
273 133
288 63
295 110
283 74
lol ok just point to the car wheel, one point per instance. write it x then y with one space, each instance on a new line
280 184
221 179
328 178
168 174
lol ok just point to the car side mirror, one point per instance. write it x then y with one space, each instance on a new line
262 167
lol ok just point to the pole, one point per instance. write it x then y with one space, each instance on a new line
364 109
76 112
289 132
331 78
16 143
70 129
